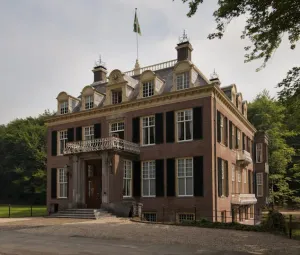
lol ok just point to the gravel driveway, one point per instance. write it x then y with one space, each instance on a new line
110 228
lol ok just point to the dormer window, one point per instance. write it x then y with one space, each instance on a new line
148 89
64 107
182 81
116 96
89 102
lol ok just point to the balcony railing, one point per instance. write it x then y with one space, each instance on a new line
244 157
155 67
101 144
243 199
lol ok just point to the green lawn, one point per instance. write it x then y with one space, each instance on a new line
17 211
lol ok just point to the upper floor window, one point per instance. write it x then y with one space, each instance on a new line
89 102
148 175
63 138
182 81
259 184
148 89
88 133
259 153
233 178
222 128
148 130
64 107
127 179
239 181
117 129
224 177
184 121
238 133
62 183
185 177
116 96
233 137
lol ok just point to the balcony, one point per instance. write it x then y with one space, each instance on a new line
243 199
101 144
243 157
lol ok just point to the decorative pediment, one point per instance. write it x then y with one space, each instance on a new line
87 90
147 75
183 66
62 96
116 76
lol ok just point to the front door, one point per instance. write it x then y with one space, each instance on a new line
93 184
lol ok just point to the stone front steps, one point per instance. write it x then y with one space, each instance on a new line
81 214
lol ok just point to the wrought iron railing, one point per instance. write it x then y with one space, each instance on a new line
101 144
155 67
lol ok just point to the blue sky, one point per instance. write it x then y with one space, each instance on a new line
51 46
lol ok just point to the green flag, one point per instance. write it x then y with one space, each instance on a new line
136 25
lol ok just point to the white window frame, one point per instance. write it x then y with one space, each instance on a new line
183 81
259 184
148 89
221 127
115 96
89 102
64 107
245 176
184 118
238 133
62 137
185 217
233 184
239 179
62 181
116 127
148 175
90 133
259 150
148 122
150 216
184 176
127 177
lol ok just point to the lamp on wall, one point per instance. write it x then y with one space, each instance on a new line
68 170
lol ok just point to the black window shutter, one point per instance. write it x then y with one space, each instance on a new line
159 177
254 151
218 127
249 182
226 131
70 134
54 143
170 127
97 130
226 179
136 178
170 177
243 141
159 128
198 176
197 123
53 183
236 138
136 130
230 134
79 134
219 177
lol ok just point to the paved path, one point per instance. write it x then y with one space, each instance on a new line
120 236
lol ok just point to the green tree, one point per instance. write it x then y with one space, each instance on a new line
267 21
268 115
23 159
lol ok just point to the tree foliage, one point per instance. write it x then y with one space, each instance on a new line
267 21
23 159
267 114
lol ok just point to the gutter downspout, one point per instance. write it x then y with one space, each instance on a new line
215 157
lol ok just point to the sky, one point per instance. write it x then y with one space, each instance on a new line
51 46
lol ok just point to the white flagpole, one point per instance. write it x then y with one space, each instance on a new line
137 38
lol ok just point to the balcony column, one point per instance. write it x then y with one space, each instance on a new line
105 178
75 180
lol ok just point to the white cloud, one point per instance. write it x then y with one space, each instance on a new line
50 46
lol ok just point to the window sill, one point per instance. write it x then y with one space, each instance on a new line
183 141
147 145
148 196
61 198
185 195
127 197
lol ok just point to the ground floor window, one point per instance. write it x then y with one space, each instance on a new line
127 178
62 183
149 216
251 211
186 217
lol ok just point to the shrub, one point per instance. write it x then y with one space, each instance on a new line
275 222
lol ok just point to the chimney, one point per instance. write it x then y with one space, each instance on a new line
99 73
184 51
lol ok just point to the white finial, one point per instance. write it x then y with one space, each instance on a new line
184 37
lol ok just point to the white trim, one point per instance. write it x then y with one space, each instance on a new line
184 177
63 182
184 121
148 126
62 135
259 183
127 178
148 178
91 133
259 151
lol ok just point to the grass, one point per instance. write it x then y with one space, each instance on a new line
18 211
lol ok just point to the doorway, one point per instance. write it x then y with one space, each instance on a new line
93 185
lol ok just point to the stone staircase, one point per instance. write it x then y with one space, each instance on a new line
81 214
